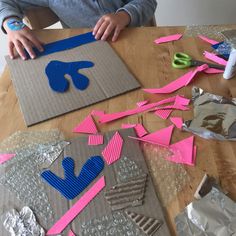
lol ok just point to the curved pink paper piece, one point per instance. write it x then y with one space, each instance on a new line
215 58
6 157
142 103
71 233
161 137
213 71
94 140
112 151
69 216
177 121
169 38
87 126
208 40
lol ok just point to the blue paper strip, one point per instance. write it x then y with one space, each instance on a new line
72 185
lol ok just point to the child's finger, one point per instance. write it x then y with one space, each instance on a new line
36 43
11 49
97 26
101 30
28 48
116 34
20 50
108 31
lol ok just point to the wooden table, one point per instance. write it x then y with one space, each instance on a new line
151 65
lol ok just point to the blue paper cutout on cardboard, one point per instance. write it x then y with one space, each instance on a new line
56 71
72 185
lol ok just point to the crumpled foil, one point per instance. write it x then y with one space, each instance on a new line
213 215
214 116
23 223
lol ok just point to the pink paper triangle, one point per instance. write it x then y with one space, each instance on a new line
87 126
184 151
6 157
71 233
112 151
161 137
142 103
177 121
163 113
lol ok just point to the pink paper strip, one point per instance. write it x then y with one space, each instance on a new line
215 58
71 233
181 100
94 140
208 40
169 38
177 121
114 116
112 151
171 107
139 129
161 137
65 220
213 71
87 126
6 157
142 103
163 114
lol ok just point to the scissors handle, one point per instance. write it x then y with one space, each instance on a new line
182 56
181 61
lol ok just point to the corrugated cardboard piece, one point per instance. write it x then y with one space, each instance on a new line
80 152
108 78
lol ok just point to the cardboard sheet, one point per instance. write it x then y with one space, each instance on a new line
80 151
108 78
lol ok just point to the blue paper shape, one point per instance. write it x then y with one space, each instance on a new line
56 71
223 49
72 185
64 44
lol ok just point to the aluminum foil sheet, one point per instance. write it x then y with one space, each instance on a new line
213 215
23 223
214 116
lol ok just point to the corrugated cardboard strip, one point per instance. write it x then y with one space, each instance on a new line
108 78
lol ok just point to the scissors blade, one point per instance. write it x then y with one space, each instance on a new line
199 63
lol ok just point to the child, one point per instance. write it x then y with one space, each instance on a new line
107 17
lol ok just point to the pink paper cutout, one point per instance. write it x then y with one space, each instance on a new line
169 38
71 233
97 113
208 40
6 157
69 216
163 114
171 107
139 129
213 71
114 116
161 137
87 126
180 100
142 103
177 121
94 140
215 58
112 151
184 151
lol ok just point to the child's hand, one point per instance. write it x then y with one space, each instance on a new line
111 24
22 40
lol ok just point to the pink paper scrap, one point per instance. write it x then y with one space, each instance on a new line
213 71
112 151
142 103
69 216
114 116
87 126
215 58
139 129
97 113
177 121
6 157
94 140
181 100
71 233
169 38
184 152
161 137
163 114
208 40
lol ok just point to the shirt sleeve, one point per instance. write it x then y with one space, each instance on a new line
140 11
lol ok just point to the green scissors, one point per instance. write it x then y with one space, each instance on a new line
182 60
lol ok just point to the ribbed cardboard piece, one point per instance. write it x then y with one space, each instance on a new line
98 207
108 78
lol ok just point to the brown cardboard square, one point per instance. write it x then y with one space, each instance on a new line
108 78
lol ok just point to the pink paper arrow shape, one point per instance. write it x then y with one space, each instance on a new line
87 126
6 157
208 40
161 137
215 58
169 38
112 151
177 121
